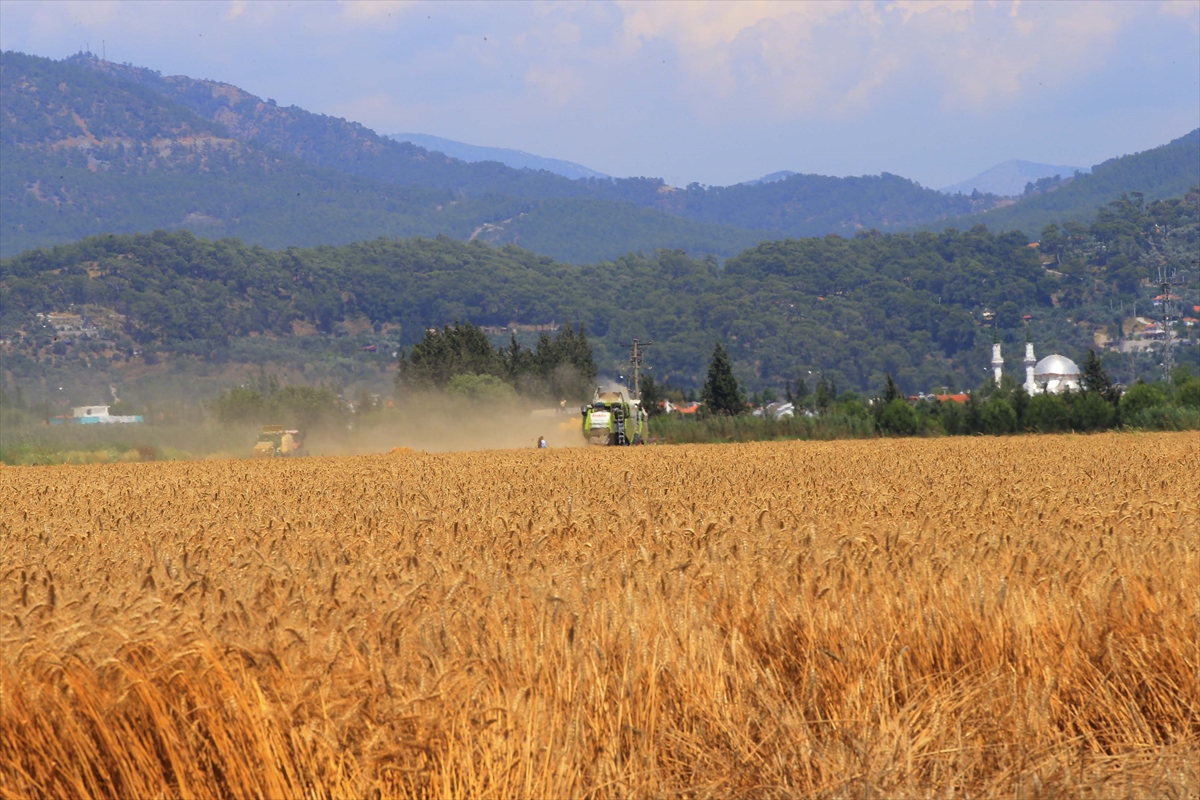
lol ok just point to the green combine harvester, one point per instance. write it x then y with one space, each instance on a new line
275 442
613 418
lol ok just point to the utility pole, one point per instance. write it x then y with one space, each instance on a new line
635 358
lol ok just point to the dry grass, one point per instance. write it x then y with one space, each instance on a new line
917 618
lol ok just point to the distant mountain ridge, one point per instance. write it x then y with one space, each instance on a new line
801 205
1171 170
517 159
771 178
98 147
84 151
1009 178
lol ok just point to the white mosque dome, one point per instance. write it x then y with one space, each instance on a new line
1056 366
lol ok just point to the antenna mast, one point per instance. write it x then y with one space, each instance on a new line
1168 280
635 358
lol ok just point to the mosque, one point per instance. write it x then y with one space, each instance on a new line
1054 373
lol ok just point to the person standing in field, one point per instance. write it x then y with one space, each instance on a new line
541 443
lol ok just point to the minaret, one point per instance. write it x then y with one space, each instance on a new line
1031 387
997 359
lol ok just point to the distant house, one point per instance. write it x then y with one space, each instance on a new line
1153 331
96 415
953 398
79 412
776 411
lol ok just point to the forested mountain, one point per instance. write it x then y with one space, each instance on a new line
91 146
799 205
349 147
854 309
84 153
1166 171
814 205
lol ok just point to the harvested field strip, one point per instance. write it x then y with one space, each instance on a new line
976 617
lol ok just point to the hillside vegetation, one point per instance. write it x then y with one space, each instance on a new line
84 152
802 205
91 147
853 309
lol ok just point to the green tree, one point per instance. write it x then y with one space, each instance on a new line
851 407
1139 398
1047 413
481 388
1187 395
953 417
800 393
565 364
825 394
720 393
305 405
1095 378
239 404
454 350
999 417
898 418
891 391
652 395
123 408
1091 412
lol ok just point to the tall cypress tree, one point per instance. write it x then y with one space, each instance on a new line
1095 378
720 392
891 391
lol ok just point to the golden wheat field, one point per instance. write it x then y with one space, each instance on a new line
917 618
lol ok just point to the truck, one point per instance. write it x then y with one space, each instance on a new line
614 418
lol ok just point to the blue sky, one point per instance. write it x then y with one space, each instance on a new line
689 91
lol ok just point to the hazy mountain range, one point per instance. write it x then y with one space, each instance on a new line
517 159
1172 170
782 174
1009 178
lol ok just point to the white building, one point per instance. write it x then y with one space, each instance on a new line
1054 373
98 415
776 411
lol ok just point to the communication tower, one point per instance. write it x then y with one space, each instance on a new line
1168 281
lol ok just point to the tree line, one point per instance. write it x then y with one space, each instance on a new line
460 359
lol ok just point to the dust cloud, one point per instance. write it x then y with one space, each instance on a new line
440 424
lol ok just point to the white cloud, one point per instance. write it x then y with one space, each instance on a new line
798 58
373 11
